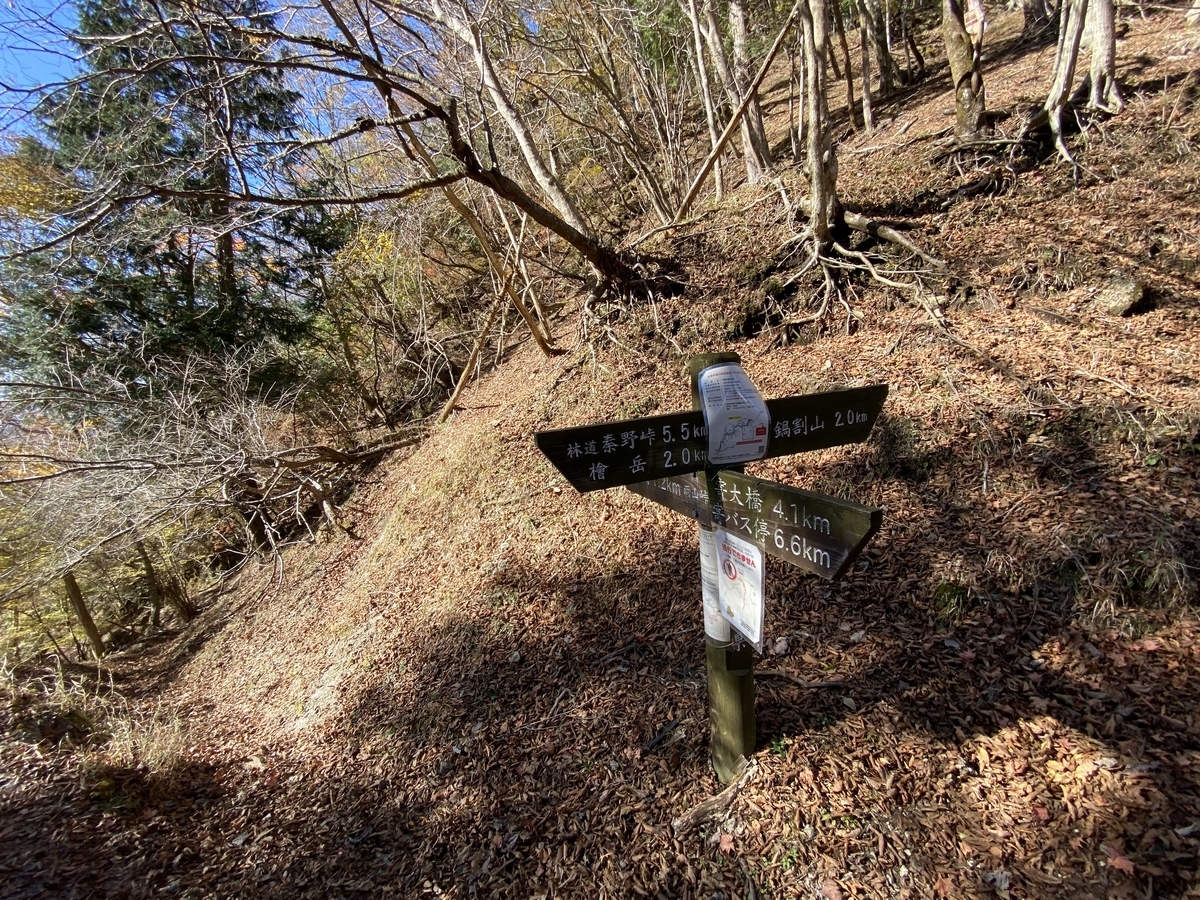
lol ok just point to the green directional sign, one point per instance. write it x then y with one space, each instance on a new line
594 457
819 534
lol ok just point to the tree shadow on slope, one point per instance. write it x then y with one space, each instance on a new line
529 731
543 737
504 747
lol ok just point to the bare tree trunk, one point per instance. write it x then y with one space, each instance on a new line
516 242
243 493
607 262
756 164
841 31
822 160
228 294
883 56
914 62
81 612
1191 42
659 101
1073 16
707 165
1105 92
466 372
153 592
183 606
511 191
965 71
752 121
911 43
710 112
470 34
796 119
1036 14
864 43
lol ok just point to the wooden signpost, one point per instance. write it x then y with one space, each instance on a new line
595 457
667 459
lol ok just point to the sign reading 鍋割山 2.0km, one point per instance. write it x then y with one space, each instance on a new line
819 534
594 457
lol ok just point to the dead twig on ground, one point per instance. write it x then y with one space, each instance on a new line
1131 391
797 680
715 806
658 739
886 232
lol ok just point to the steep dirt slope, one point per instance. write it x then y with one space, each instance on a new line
465 702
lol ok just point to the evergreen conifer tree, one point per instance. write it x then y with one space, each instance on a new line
179 117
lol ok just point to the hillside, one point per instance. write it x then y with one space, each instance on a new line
497 689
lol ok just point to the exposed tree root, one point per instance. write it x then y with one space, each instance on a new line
886 232
836 261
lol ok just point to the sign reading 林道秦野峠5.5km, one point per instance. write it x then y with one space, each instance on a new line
611 454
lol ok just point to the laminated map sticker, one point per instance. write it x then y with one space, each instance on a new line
715 626
740 585
735 414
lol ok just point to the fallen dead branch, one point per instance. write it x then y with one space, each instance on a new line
796 679
715 806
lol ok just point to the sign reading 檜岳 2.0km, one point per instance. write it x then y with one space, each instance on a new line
594 457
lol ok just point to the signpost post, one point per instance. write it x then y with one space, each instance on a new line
676 460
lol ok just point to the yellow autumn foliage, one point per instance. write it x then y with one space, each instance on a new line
369 250
30 190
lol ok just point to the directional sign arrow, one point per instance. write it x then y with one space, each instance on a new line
594 457
819 534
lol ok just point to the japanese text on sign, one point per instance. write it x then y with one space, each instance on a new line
735 414
740 580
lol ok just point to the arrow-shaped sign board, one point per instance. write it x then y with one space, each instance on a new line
819 534
594 457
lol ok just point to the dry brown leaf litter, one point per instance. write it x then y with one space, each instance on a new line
466 702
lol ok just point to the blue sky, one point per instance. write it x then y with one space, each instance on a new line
33 51
32 47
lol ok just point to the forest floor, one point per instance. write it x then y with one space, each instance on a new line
464 701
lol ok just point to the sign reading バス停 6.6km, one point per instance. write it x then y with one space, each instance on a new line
819 534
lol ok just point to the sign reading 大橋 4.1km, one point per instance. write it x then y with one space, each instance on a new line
691 462
818 534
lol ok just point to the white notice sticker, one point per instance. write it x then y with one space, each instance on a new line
715 626
740 583
735 413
